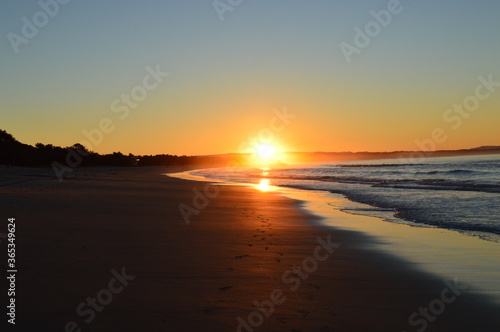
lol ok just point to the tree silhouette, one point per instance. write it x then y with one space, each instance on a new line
6 138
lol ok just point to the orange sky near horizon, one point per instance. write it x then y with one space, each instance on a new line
337 123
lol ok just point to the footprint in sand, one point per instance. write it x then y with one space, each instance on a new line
330 312
213 310
225 289
282 320
242 256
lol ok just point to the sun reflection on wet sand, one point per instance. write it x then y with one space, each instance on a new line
264 185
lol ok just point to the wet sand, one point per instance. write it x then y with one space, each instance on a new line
237 252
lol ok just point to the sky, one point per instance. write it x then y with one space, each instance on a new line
209 77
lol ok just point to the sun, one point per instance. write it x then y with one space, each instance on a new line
265 152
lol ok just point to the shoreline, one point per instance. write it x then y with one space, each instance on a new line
240 248
445 253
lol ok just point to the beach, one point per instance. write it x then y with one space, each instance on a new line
244 260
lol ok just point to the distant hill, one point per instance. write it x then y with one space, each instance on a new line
410 156
486 148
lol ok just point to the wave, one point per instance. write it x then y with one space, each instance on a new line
454 171
409 215
422 217
480 165
421 184
443 185
376 165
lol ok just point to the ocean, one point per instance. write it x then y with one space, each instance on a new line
455 193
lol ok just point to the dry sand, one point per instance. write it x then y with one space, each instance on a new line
202 276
